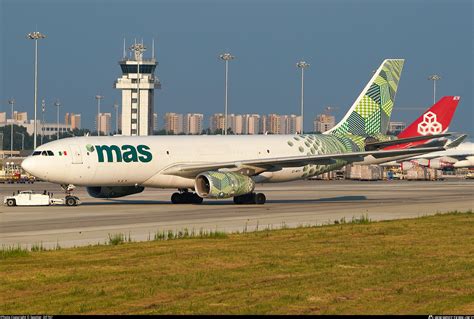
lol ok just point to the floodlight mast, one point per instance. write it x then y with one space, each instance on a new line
35 36
57 104
98 98
12 103
226 57
302 65
434 78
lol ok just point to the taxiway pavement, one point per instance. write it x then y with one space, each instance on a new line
291 204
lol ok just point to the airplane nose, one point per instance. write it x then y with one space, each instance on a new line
28 165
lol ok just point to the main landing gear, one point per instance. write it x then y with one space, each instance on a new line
250 198
185 197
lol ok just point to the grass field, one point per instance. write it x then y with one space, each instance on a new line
423 265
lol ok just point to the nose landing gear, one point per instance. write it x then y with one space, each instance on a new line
186 197
70 200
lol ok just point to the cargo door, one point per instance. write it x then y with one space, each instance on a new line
76 154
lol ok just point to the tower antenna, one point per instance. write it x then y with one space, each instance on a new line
124 53
152 48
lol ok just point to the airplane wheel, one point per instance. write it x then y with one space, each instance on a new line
238 200
71 201
176 198
11 202
260 198
197 199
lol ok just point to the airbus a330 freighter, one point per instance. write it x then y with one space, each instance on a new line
223 166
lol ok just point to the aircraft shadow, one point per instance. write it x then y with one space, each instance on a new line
229 202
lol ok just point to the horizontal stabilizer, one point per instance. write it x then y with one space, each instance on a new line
457 141
381 144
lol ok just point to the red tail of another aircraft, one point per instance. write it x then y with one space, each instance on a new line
433 121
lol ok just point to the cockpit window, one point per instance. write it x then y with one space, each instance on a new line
44 153
50 153
36 153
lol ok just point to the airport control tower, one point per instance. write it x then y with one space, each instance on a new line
138 82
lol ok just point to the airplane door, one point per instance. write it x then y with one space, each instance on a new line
76 154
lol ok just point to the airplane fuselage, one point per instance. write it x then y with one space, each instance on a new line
124 160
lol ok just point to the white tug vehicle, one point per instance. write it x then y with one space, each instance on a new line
30 198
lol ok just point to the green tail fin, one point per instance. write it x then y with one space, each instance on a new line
370 113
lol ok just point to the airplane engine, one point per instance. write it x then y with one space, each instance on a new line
214 184
113 191
467 163
438 163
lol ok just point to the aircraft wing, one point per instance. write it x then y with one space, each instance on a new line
257 166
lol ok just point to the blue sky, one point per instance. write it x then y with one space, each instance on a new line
342 40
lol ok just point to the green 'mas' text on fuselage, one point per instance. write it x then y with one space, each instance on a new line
125 153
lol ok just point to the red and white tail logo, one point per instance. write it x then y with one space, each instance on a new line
430 124
435 120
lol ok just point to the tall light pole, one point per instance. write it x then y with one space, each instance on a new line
138 49
434 78
12 103
302 65
57 104
43 109
226 57
116 106
98 98
35 36
22 140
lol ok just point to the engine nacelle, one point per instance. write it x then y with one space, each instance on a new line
214 184
439 163
113 191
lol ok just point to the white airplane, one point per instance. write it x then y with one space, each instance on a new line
461 156
221 166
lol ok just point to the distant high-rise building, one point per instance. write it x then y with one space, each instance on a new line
263 124
273 123
217 122
76 121
174 123
193 123
73 120
251 123
236 123
155 122
396 127
291 124
137 111
3 117
105 123
324 122
20 117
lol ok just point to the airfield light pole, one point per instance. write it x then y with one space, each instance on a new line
116 117
12 103
57 104
98 98
22 140
226 57
302 65
434 78
43 109
35 36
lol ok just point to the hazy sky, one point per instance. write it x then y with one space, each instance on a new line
342 40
